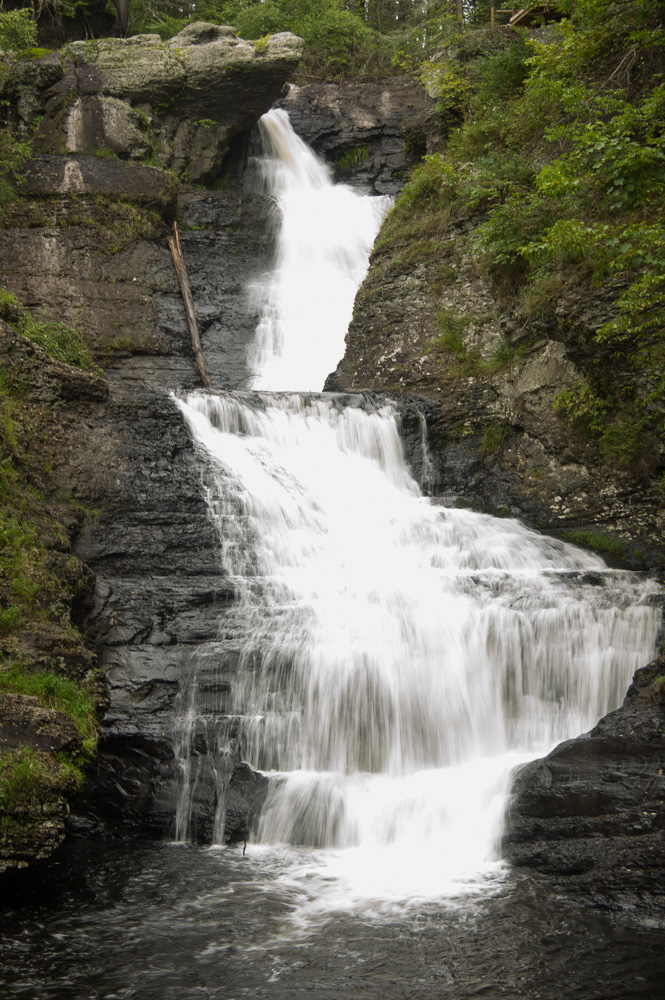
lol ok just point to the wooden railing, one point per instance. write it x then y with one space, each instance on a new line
534 15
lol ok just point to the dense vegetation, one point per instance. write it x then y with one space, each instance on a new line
556 147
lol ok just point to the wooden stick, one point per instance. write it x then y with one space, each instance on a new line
188 299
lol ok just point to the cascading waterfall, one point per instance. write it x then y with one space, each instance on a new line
391 659
325 237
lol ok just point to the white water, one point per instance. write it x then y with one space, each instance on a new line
325 238
396 658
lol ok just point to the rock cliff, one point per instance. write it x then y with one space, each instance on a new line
126 125
590 816
120 124
427 323
370 133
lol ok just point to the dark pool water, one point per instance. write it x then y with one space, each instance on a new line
160 922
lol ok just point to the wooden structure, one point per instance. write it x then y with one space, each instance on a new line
535 16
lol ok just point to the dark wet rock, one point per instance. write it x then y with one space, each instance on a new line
372 133
125 296
590 817
245 796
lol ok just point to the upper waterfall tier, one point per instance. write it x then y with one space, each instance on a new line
326 232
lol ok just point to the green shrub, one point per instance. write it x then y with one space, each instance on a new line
494 437
18 30
11 618
350 158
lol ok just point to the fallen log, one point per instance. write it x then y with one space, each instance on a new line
186 289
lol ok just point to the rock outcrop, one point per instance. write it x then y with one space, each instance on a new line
590 816
428 324
177 103
34 823
371 133
87 247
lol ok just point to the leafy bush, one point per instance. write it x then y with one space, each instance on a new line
11 618
18 30
562 150
494 438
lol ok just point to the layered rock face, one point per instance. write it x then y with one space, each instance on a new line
590 816
178 102
88 247
371 133
427 323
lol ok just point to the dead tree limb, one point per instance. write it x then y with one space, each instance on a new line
188 299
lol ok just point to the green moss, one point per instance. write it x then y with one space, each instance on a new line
597 541
29 777
62 342
658 689
34 53
53 691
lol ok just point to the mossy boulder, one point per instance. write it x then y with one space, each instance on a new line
179 102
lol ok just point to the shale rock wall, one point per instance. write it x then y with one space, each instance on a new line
87 246
370 133
428 324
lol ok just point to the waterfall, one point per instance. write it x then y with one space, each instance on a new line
387 661
326 232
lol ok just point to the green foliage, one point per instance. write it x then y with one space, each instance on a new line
350 158
56 692
626 439
22 776
658 689
18 30
560 148
494 437
59 340
18 36
448 82
11 618
14 153
28 777
451 340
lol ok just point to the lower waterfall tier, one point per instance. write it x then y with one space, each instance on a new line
387 661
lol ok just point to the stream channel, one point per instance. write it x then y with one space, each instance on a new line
398 660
